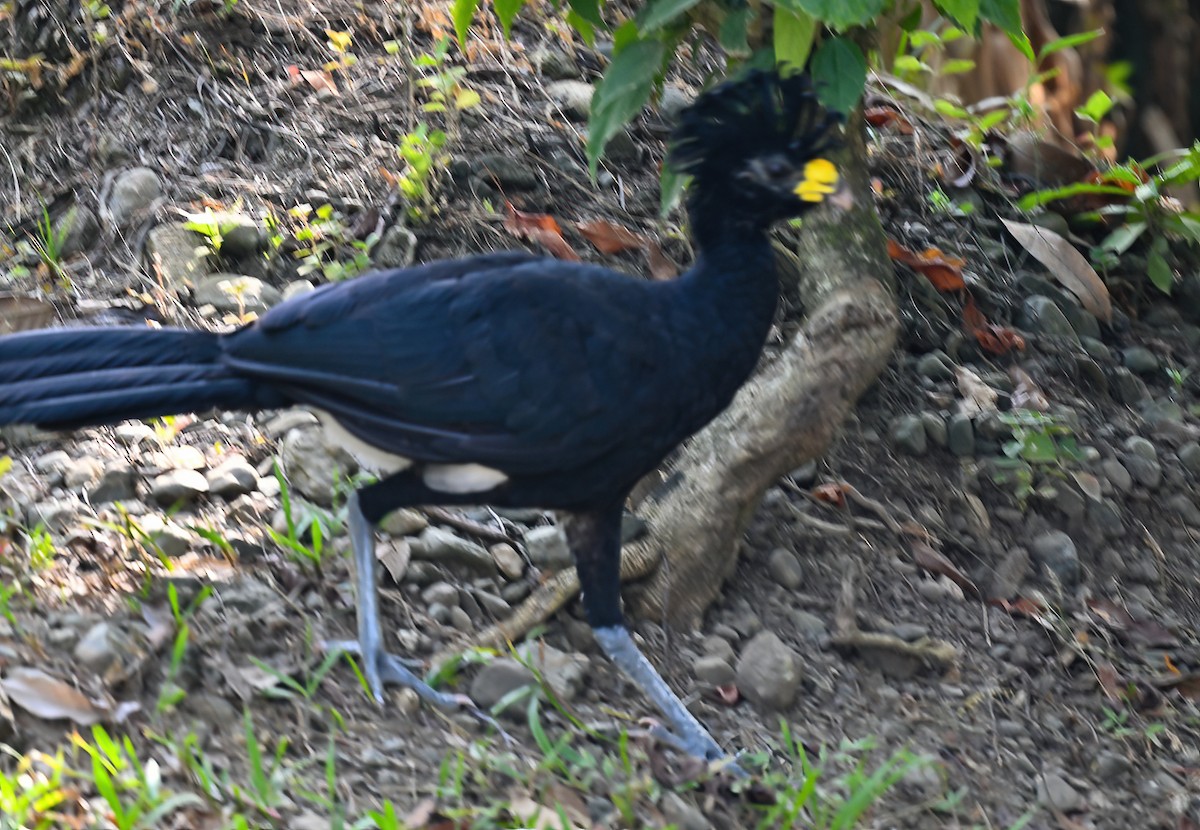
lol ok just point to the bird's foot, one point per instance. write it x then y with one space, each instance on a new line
383 669
698 744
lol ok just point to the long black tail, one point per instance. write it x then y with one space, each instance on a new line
64 378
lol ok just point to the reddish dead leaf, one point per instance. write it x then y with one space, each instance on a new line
1171 667
317 79
1150 633
888 117
1021 606
610 238
728 694
991 337
1114 615
1110 682
942 270
540 228
661 266
931 560
833 493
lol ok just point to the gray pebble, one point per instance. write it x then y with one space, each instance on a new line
547 547
768 672
784 566
235 477
178 485
908 434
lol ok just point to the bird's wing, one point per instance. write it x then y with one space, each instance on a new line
525 364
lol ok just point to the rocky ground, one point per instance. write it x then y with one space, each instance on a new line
1043 664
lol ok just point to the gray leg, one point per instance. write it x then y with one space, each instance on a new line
380 667
686 733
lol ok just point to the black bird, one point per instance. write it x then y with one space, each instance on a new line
506 379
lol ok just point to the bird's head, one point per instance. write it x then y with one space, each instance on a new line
757 149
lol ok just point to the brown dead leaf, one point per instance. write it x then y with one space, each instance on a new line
1066 264
50 698
833 492
880 116
24 313
942 270
991 337
609 237
320 80
933 561
1110 682
395 559
540 228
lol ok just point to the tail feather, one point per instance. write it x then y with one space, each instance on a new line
75 377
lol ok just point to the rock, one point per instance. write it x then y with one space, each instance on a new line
133 434
1140 360
118 482
1189 457
1055 551
460 619
236 293
1141 460
97 649
622 147
554 64
768 672
510 173
288 420
1126 387
1117 475
498 679
1055 791
235 477
673 102
132 192
564 673
242 241
547 547
1111 768
441 593
1083 322
53 462
404 522
908 434
171 540
809 625
935 429
1183 506
960 435
713 671
396 249
784 566
443 547
76 230
937 366
1041 315
1104 517
574 98
297 287
178 486
177 254
508 560
54 514
313 466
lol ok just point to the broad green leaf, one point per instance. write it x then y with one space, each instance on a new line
839 14
584 27
1096 107
1042 197
625 34
462 12
588 10
507 10
659 13
1159 272
950 109
909 64
963 12
956 67
1120 240
621 94
1068 42
794 33
840 72
1007 15
671 188
1189 224
734 31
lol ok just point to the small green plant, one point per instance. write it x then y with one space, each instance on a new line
1038 442
444 85
29 794
211 225
322 237
48 243
421 153
317 525
39 547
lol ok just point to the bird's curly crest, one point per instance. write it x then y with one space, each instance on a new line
757 114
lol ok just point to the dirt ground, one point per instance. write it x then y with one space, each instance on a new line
1068 696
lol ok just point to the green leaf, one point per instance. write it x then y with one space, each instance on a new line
956 67
584 27
734 31
659 13
963 12
621 94
1096 107
507 10
840 72
462 13
1068 42
1004 13
950 109
1159 272
671 188
794 33
588 10
1120 240
838 14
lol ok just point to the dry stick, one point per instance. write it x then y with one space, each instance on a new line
482 531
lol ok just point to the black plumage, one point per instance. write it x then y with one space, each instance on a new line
506 378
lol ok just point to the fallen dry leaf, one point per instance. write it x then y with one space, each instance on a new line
1026 393
609 237
540 228
832 493
319 80
942 270
395 559
661 266
991 337
933 561
1066 264
50 698
1110 682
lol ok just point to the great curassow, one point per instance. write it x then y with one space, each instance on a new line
506 379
